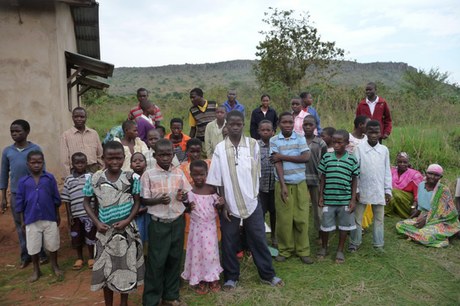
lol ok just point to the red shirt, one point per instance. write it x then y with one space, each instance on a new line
381 114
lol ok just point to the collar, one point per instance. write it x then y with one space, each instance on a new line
75 130
262 143
344 156
375 101
229 144
378 147
315 139
43 174
293 135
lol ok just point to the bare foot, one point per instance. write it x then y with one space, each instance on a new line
58 272
35 276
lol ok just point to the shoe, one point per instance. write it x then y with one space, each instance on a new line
275 282
24 264
229 285
280 258
379 249
352 248
306 260
201 288
90 263
77 265
173 303
214 286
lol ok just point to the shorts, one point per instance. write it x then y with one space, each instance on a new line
42 233
83 231
337 214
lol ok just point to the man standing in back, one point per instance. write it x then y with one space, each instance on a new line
201 113
232 103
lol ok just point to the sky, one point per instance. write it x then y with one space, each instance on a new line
143 33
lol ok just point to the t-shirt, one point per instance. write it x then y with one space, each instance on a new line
72 193
338 173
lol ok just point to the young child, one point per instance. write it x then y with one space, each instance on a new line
202 264
359 133
178 139
139 165
326 135
164 189
162 130
82 229
374 185
37 203
376 108
119 262
235 171
213 133
152 137
307 101
317 148
289 152
267 178
14 166
338 180
298 113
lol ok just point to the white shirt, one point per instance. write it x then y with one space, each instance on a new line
239 175
375 178
372 104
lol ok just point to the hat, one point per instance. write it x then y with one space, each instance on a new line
435 168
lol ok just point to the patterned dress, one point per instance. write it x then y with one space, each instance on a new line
119 260
202 258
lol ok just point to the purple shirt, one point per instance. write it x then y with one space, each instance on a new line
38 201
143 127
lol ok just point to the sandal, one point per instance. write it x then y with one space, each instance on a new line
339 258
77 265
214 286
322 253
90 263
201 288
275 282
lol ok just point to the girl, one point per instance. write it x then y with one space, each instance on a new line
139 164
202 265
131 143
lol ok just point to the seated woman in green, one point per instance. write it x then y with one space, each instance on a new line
405 181
437 217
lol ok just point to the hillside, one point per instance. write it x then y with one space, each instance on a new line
178 79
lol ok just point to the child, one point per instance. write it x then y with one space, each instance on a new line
202 265
178 139
267 178
326 135
82 229
359 133
164 189
144 122
376 108
131 143
307 101
374 185
289 152
14 166
317 148
119 264
235 171
152 137
338 180
298 113
37 203
161 129
138 165
213 133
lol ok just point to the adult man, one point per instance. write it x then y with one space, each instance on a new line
201 113
232 103
155 115
80 138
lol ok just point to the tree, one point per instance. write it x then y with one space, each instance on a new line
289 48
424 84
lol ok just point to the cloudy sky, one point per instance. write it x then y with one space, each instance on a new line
423 33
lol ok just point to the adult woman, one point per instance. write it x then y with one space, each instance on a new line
437 217
131 143
405 185
264 111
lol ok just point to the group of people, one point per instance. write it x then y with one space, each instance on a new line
137 201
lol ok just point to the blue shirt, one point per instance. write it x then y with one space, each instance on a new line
238 107
295 145
14 165
424 197
38 201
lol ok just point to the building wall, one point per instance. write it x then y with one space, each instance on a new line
33 73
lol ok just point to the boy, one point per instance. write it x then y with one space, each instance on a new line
232 103
37 203
359 133
374 185
376 108
152 137
307 101
178 139
154 114
338 180
14 166
235 171
326 135
201 113
119 261
82 229
267 178
289 152
144 122
213 133
164 189
317 148
298 113
162 130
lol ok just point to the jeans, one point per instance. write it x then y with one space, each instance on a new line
377 225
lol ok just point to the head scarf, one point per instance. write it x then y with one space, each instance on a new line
435 168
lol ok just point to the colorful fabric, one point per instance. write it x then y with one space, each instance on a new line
116 131
257 116
403 180
115 199
441 221
368 216
137 112
435 168
202 258
72 193
181 147
400 203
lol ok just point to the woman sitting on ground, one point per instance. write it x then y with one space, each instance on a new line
437 218
405 185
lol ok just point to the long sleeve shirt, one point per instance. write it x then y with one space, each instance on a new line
381 113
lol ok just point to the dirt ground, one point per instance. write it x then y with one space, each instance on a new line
73 290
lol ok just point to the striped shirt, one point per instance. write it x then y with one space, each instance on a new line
338 174
137 112
200 116
295 145
87 142
318 148
72 193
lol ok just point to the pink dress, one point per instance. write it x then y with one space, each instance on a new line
202 256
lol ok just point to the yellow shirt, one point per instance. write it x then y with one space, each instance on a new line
191 119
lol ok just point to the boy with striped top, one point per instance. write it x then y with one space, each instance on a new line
338 182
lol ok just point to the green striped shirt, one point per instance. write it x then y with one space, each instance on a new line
338 174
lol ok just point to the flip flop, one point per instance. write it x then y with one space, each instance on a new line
339 258
322 253
90 263
215 286
77 265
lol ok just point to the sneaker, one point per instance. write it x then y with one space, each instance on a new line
275 282
306 260
280 258
230 285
